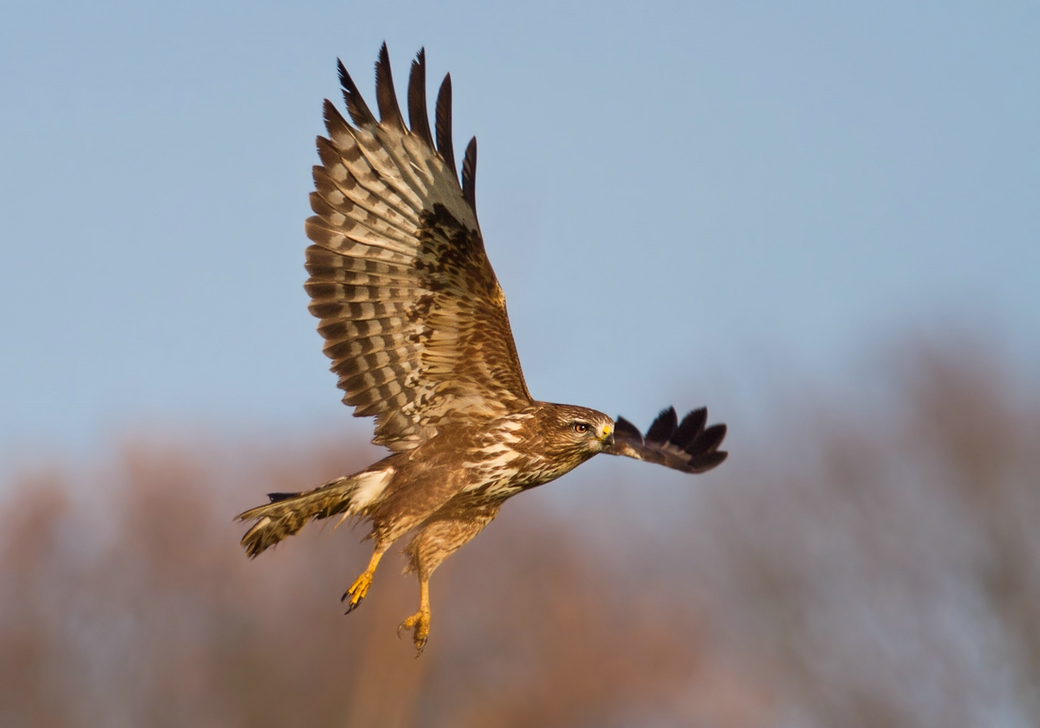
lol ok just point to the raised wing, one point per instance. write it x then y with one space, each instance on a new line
413 316
686 445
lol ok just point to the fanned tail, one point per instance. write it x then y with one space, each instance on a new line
287 513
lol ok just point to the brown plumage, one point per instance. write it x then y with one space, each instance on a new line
415 323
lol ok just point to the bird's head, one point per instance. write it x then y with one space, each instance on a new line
580 430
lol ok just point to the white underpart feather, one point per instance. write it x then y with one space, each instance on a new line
370 487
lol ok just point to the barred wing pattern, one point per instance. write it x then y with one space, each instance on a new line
413 316
688 445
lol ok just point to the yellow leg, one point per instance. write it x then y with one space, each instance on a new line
359 588
419 623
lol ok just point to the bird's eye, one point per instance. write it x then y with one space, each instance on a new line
581 428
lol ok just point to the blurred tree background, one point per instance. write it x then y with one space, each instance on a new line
870 560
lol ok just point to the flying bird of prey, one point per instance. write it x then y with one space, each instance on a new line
415 323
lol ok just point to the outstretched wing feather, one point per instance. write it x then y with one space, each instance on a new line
442 123
413 316
417 115
661 429
688 446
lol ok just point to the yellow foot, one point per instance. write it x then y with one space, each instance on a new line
419 624
357 591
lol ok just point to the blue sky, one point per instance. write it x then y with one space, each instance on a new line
684 202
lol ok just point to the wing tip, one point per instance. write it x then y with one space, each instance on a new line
386 96
418 116
469 174
663 426
687 446
356 106
442 124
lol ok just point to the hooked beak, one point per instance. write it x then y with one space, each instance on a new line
608 438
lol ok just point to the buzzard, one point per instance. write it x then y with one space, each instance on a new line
415 324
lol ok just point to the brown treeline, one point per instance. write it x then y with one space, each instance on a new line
867 564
